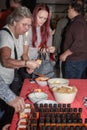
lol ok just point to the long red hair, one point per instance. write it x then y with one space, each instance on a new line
45 29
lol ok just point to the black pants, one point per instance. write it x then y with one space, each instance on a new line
8 113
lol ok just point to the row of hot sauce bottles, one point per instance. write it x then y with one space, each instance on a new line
56 117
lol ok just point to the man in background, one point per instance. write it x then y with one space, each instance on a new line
11 5
75 45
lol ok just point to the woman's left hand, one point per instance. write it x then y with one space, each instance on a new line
51 49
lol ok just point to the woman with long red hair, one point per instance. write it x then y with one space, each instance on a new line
40 34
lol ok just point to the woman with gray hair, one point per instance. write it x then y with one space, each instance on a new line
11 36
18 23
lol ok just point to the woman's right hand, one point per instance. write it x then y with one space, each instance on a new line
18 104
25 57
32 64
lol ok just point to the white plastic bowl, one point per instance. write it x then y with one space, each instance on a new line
65 97
58 82
42 81
37 96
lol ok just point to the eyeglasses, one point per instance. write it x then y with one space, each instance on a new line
26 25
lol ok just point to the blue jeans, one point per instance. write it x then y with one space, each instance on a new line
75 69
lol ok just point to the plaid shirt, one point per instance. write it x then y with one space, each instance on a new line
5 93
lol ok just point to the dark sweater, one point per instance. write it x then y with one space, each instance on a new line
76 39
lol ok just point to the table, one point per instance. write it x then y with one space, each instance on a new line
81 84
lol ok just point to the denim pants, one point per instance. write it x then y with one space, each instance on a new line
75 69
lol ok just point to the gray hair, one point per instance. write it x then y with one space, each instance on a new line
18 14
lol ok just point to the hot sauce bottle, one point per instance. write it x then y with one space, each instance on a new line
59 128
58 121
48 128
37 112
77 128
43 127
83 128
79 121
68 105
47 121
86 122
69 122
53 121
41 123
72 128
33 123
65 127
34 128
